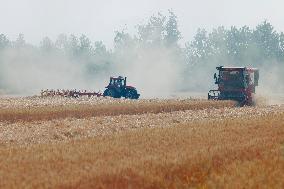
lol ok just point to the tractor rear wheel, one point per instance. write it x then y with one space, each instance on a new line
131 94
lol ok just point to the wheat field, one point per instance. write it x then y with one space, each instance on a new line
177 143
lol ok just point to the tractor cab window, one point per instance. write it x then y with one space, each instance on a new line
111 82
119 81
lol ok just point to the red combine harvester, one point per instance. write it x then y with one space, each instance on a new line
235 83
117 88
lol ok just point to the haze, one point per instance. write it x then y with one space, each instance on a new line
100 19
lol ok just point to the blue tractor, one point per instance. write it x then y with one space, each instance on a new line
117 88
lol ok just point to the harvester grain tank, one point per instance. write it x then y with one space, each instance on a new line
117 88
235 83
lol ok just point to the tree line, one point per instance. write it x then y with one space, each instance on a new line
238 46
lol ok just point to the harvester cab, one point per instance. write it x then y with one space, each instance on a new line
118 88
235 83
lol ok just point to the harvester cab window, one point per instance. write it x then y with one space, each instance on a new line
232 79
249 78
224 75
235 74
230 75
252 78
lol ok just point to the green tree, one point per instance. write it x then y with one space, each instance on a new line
101 60
20 41
73 46
238 42
217 42
153 33
62 42
199 49
4 42
123 40
173 34
47 45
280 54
266 40
85 44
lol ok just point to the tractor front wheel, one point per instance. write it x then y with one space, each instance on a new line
110 93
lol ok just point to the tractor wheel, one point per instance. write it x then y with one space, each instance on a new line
110 93
131 94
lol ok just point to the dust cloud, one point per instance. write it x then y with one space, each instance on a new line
155 72
271 84
25 73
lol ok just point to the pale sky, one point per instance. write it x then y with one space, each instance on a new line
98 19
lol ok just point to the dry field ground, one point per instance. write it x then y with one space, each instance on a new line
106 143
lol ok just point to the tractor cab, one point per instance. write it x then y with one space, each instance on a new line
117 88
235 83
117 81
